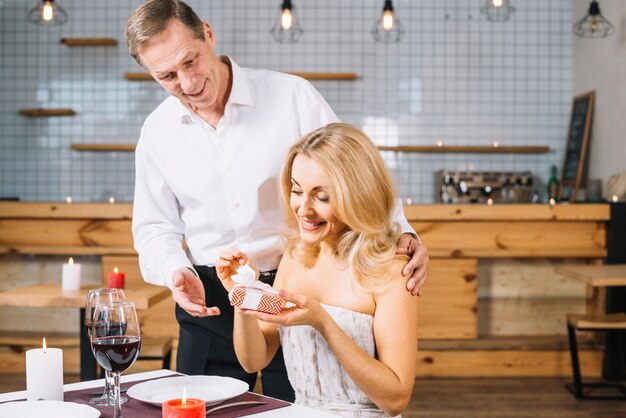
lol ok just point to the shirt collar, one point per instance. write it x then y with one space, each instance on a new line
239 91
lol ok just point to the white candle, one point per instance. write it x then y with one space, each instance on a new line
44 374
71 276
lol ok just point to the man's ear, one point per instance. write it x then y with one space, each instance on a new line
208 33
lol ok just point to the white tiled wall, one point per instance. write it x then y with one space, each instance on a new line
454 77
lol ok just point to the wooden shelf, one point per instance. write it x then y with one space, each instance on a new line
141 76
326 76
138 77
89 41
478 149
42 113
104 147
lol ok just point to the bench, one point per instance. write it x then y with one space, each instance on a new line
615 323
152 348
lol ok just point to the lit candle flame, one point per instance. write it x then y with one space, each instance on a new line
70 261
552 201
615 199
490 201
496 144
68 200
497 3
184 401
43 344
286 19
440 143
115 270
111 200
48 12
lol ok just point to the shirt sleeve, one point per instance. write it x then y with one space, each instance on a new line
158 230
312 110
398 216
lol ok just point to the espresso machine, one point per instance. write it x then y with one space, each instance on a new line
484 187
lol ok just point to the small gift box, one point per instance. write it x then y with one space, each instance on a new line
254 295
256 299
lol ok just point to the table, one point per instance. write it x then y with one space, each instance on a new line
52 296
287 412
613 277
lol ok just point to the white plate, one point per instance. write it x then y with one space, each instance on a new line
48 409
213 389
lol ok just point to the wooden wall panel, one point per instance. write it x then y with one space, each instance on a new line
515 278
65 233
506 363
448 307
512 239
526 316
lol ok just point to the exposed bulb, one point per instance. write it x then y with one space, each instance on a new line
387 20
285 19
47 12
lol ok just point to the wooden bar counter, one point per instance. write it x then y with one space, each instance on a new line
461 240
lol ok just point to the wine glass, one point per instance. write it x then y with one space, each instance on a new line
96 297
115 341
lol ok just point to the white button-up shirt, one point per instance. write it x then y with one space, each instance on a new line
218 188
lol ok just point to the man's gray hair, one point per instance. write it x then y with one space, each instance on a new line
151 19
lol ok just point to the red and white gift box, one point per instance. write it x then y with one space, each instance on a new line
256 299
254 295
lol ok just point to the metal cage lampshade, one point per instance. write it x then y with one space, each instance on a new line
286 27
593 25
47 13
388 28
497 10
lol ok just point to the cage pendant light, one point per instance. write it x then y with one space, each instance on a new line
593 25
497 10
47 13
388 27
286 27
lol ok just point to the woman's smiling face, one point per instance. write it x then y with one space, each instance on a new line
310 201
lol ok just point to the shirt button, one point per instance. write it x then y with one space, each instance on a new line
236 205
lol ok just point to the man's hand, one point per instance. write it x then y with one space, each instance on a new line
188 293
407 244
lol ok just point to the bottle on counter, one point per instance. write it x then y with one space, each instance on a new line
553 184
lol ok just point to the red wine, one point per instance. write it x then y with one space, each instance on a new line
116 354
108 329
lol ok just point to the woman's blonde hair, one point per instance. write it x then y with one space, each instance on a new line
362 196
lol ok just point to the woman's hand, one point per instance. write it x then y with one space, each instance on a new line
226 266
307 311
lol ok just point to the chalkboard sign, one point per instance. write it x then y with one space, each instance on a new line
574 165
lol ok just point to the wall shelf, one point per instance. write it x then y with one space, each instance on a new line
104 147
479 149
42 113
142 76
89 41
326 76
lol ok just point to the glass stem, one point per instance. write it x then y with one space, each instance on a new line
108 387
117 413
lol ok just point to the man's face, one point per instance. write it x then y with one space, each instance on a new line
185 66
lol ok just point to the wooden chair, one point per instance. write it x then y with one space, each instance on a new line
605 323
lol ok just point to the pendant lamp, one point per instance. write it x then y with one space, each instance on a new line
286 27
593 25
388 28
497 10
47 13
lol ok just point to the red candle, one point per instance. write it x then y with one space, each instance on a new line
116 279
184 408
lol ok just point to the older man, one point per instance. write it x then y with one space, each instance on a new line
207 169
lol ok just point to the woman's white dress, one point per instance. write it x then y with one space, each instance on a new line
314 372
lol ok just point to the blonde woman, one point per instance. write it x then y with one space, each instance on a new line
350 342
